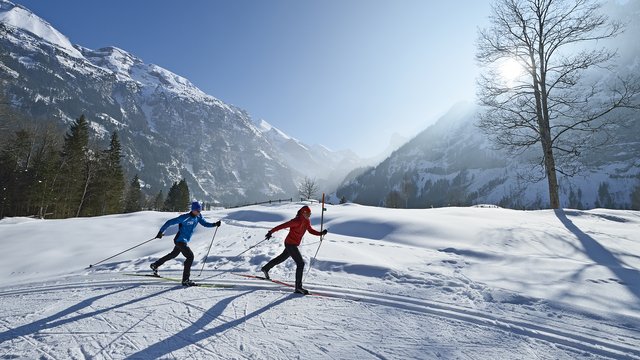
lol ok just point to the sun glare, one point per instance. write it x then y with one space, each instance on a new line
510 71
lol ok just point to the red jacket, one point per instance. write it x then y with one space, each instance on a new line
297 227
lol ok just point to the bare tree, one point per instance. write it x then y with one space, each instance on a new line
308 188
552 97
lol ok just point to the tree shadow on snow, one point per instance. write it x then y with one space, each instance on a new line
60 318
630 278
254 216
364 229
197 332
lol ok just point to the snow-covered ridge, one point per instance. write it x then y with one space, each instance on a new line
20 17
265 127
112 58
128 67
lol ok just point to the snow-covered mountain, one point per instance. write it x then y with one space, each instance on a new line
169 128
327 167
453 163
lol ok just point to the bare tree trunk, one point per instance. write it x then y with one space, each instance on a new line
552 179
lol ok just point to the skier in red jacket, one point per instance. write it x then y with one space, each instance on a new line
297 228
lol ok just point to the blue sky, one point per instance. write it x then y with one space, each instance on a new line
343 73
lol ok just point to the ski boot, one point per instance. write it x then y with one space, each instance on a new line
300 290
266 274
188 283
154 268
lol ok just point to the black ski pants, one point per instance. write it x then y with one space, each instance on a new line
289 251
180 247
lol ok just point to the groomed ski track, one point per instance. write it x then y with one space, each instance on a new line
578 341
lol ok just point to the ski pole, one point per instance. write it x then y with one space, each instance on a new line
321 237
205 258
131 248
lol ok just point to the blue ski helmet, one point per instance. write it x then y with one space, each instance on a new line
196 206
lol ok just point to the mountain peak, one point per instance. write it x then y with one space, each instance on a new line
21 18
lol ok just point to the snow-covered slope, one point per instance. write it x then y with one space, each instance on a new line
479 283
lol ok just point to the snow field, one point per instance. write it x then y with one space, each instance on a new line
468 283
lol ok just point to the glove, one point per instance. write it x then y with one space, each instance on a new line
159 236
268 236
324 232
217 223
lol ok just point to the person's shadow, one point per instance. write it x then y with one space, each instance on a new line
196 332
72 314
630 278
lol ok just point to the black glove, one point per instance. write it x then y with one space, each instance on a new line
159 236
217 223
268 236
324 232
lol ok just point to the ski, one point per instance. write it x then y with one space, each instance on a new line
275 282
207 285
264 278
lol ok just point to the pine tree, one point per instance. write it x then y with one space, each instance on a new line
14 181
183 193
394 199
178 197
172 196
113 177
73 170
44 171
158 203
604 199
133 200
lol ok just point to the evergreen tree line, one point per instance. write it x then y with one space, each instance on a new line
46 175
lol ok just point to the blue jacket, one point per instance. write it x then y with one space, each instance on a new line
186 224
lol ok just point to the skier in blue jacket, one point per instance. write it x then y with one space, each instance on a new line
186 224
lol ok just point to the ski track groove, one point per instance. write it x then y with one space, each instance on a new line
32 342
221 334
579 342
124 335
372 353
563 338
407 333
183 338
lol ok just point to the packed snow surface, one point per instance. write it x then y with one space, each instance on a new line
449 283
